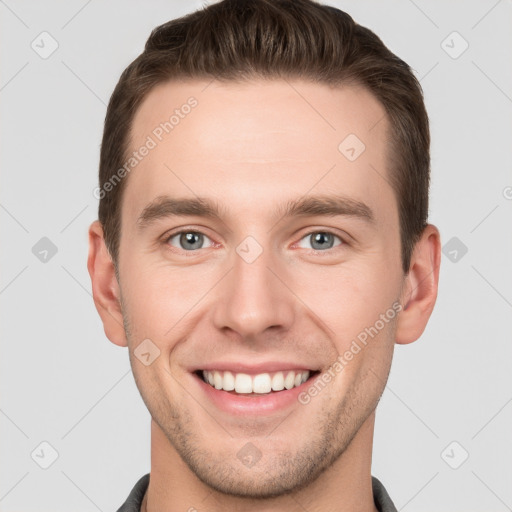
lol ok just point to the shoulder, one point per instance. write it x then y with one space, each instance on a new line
381 497
134 500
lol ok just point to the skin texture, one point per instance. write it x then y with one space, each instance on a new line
253 147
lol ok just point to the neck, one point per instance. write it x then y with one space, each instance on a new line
345 486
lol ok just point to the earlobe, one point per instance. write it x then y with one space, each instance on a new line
105 288
420 287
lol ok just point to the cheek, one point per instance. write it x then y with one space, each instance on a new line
150 381
163 303
158 296
349 299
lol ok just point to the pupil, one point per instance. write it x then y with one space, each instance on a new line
320 238
188 238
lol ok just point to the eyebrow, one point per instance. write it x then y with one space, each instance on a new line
325 205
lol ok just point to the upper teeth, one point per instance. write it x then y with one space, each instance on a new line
261 383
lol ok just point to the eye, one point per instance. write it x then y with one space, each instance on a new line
188 240
191 241
320 240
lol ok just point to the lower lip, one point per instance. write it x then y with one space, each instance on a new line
242 405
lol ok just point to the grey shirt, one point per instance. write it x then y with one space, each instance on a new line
134 501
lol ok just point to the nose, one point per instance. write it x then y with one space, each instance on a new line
254 297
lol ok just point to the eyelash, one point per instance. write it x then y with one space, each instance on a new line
311 251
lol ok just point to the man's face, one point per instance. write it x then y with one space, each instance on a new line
256 291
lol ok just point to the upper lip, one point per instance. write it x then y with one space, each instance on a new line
254 369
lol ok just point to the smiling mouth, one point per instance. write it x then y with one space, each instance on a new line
255 385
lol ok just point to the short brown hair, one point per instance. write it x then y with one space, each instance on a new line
243 39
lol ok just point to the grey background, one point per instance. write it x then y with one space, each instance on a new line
64 383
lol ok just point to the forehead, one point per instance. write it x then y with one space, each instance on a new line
258 143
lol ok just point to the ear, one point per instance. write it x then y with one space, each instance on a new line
419 291
105 288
